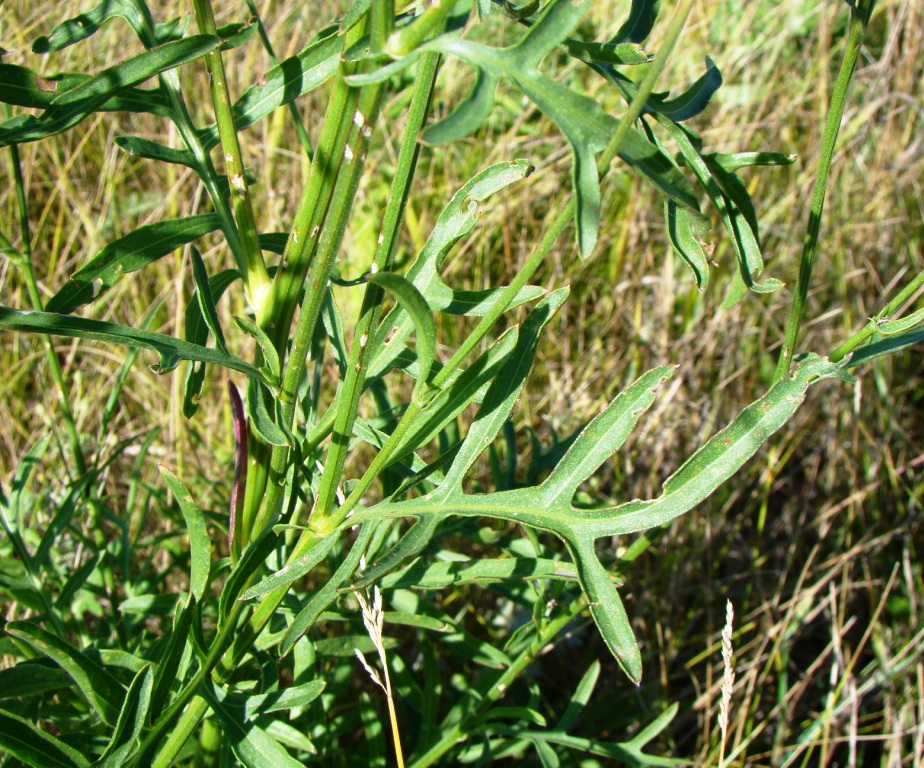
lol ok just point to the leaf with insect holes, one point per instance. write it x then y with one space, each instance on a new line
169 349
128 254
105 694
23 740
200 546
88 23
71 107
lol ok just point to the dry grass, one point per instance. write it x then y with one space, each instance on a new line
818 543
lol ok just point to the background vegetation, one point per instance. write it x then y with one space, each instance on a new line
817 543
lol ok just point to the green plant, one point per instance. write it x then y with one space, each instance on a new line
332 495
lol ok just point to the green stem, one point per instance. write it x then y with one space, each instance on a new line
452 734
256 278
300 130
859 17
406 40
370 311
316 286
885 313
287 284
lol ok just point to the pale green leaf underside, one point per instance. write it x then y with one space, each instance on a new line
549 506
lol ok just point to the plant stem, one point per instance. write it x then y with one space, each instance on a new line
372 301
904 295
256 278
859 16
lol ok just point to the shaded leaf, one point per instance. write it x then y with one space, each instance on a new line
419 312
67 109
252 745
151 150
26 88
686 230
32 746
101 689
887 346
125 740
642 17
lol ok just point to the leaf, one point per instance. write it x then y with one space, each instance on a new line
457 394
732 163
169 349
281 701
88 23
323 597
581 119
416 307
442 574
197 332
603 436
200 546
125 740
738 225
71 107
101 689
169 661
642 17
292 571
285 82
549 506
259 418
24 87
254 747
130 253
901 324
32 746
270 355
204 299
887 346
456 220
505 389
686 230
692 101
151 150
580 697
30 678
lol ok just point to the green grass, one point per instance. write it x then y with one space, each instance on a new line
817 543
